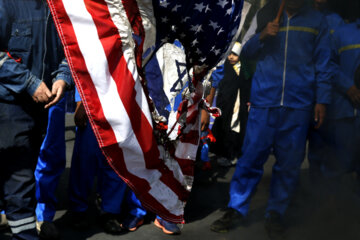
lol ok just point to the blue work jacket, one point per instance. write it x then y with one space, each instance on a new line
333 20
30 49
347 45
293 68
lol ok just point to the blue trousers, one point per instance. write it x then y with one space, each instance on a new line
333 147
88 162
20 139
51 163
134 205
284 130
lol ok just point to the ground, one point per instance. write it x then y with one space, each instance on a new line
318 211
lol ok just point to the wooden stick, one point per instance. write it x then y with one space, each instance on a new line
280 12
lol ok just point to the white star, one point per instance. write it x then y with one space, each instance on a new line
173 28
212 48
214 25
217 52
175 8
207 8
185 19
164 4
236 18
193 43
182 35
198 51
164 19
229 11
199 7
199 29
196 28
220 31
202 59
222 3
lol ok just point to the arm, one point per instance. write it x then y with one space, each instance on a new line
62 80
205 117
323 72
253 43
15 76
216 77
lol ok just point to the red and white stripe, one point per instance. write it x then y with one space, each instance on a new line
104 61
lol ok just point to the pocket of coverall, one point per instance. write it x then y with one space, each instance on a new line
20 41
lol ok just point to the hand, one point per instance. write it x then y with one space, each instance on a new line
320 112
42 94
80 117
205 119
354 94
271 30
57 91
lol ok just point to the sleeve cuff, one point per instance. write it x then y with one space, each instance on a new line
33 84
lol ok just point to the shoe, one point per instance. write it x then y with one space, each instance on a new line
230 219
111 224
274 225
47 230
132 223
167 227
78 220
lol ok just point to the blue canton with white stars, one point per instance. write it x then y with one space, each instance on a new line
204 27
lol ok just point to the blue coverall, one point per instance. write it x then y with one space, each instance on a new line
28 34
52 159
292 74
319 150
87 162
342 132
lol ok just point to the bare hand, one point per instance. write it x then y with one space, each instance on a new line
354 95
320 112
80 117
271 30
57 91
42 94
205 119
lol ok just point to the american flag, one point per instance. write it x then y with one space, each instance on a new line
107 43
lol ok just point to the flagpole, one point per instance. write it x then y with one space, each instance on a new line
280 12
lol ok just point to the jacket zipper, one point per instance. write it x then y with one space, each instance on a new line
285 62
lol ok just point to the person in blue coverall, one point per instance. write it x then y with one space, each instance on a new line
87 162
343 126
319 150
51 164
291 86
33 75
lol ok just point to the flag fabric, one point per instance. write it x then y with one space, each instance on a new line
107 43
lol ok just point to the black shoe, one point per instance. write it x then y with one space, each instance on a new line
111 224
78 220
230 219
48 231
274 225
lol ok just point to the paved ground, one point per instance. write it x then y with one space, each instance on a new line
322 211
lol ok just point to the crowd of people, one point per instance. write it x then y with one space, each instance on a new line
305 88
